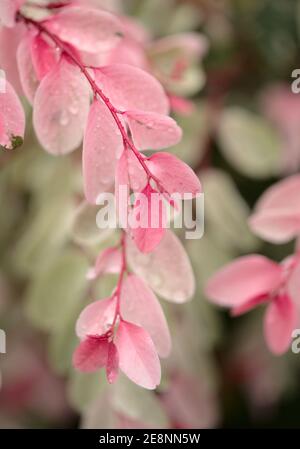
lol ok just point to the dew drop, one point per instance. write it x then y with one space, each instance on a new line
73 108
64 118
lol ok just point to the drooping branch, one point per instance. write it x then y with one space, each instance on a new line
127 142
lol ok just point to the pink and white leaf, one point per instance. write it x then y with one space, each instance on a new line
129 176
91 354
140 306
8 10
28 77
182 398
128 52
293 284
249 305
176 59
96 318
109 261
138 358
148 218
276 226
192 46
136 173
167 270
135 30
12 118
43 55
112 367
276 217
130 88
60 109
175 175
86 28
181 105
243 280
280 321
102 145
153 131
10 39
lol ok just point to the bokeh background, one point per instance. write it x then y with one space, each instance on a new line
242 135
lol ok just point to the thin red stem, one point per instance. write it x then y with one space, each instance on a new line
118 291
52 6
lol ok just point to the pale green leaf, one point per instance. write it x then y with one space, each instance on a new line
138 404
64 340
46 230
99 414
84 388
226 212
54 294
249 143
84 228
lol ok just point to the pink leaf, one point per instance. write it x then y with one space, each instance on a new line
242 280
96 318
27 73
167 270
137 176
148 219
249 305
91 354
276 226
191 45
85 28
128 52
8 10
276 195
140 306
112 368
135 30
101 146
182 400
131 88
153 131
10 39
181 105
137 355
293 284
12 118
175 175
280 321
282 107
175 55
277 214
108 262
61 108
129 175
43 56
